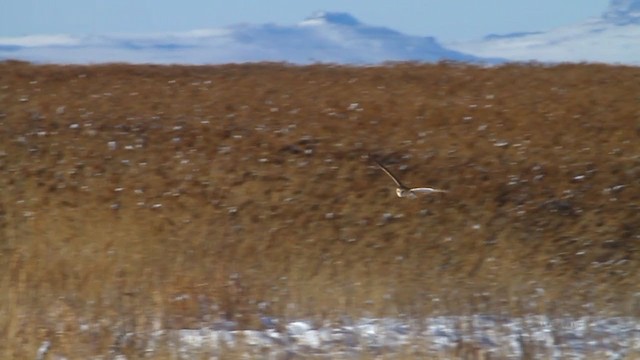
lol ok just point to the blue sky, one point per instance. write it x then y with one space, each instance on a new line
448 20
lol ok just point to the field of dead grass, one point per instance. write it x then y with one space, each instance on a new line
156 197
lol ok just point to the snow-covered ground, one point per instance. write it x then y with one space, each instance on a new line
546 338
535 337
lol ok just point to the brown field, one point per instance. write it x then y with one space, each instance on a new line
163 197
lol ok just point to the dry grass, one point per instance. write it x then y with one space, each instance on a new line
142 197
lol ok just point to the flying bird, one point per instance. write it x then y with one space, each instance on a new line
405 191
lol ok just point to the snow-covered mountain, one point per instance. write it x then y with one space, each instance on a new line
613 37
323 37
623 12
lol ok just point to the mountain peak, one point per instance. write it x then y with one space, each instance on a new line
332 18
623 12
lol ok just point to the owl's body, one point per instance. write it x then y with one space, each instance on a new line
404 191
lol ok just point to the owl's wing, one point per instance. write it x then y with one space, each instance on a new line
426 190
395 179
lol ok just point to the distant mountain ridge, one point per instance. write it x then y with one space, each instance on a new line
337 37
330 37
614 37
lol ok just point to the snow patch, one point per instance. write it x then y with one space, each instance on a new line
502 337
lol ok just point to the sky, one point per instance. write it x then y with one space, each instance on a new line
447 20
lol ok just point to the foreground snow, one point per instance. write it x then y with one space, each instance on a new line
526 337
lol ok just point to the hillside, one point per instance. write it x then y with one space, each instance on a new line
179 195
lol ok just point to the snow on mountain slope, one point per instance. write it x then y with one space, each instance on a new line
612 38
623 12
324 37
